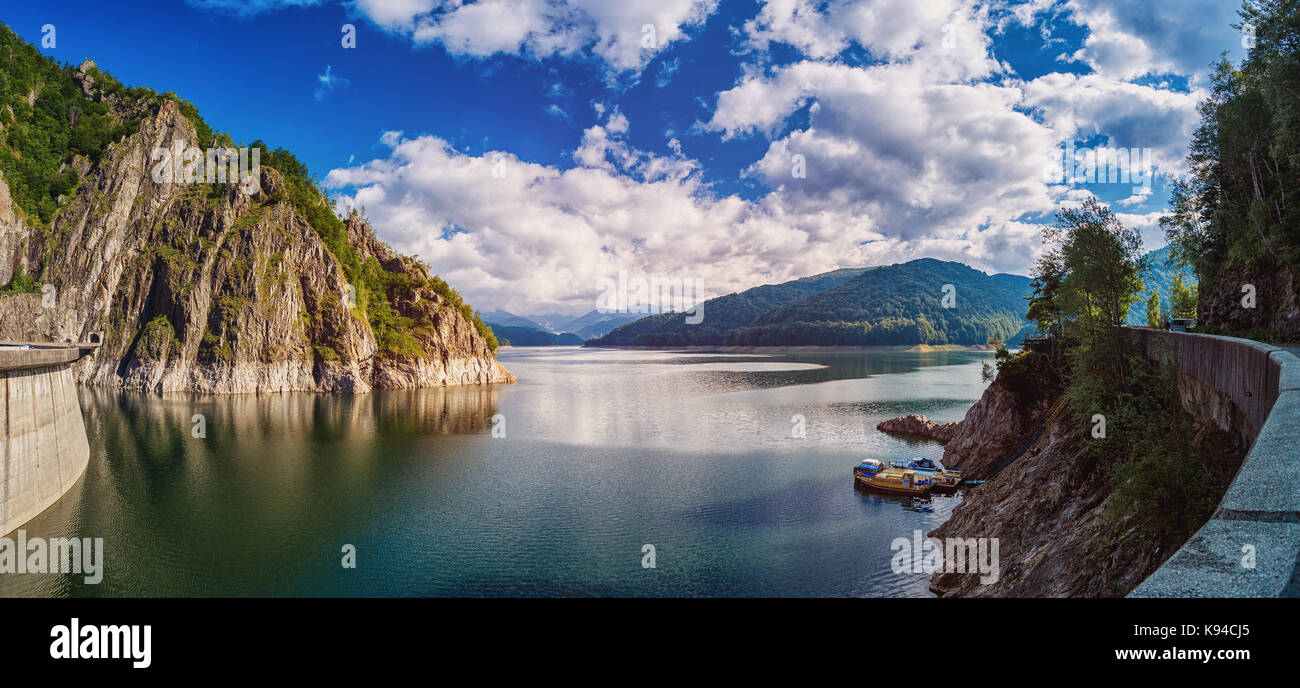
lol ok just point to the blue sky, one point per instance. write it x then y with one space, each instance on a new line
923 127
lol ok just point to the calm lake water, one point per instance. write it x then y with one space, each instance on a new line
604 452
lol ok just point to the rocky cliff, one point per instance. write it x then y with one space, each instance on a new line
1051 509
207 287
1274 314
913 425
1010 407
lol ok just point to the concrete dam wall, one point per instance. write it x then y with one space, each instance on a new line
43 445
1251 545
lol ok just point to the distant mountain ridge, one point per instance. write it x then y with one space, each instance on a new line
532 336
900 304
1158 277
721 314
591 324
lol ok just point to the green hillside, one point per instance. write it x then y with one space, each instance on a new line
897 304
892 305
1158 277
721 314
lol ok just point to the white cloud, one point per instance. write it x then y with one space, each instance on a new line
327 82
1127 115
395 14
540 236
917 158
947 36
1128 39
556 111
613 31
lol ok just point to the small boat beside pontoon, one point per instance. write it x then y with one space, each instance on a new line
913 477
873 474
944 478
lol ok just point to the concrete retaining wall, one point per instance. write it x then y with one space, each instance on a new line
43 446
1258 521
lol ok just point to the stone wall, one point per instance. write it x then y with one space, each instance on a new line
1251 546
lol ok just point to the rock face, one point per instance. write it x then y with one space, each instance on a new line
997 424
1277 305
913 425
1049 509
206 288
13 234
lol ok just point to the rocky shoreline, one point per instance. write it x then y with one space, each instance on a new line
913 425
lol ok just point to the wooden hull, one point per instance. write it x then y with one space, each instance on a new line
947 483
892 487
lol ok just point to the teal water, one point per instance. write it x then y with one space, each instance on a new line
603 452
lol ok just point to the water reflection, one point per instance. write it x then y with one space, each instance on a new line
604 452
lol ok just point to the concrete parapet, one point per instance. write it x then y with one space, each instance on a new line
1251 546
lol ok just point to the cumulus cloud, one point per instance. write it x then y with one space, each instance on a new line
395 15
947 36
1126 115
625 35
541 236
536 236
915 157
1129 39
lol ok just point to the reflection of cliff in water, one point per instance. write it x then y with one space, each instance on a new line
262 503
270 446
297 416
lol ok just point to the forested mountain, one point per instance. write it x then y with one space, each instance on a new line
899 304
722 314
1158 276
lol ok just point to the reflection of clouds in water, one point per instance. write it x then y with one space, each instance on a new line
725 405
581 355
960 381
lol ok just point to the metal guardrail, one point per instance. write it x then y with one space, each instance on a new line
29 355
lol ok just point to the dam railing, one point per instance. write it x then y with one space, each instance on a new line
1250 547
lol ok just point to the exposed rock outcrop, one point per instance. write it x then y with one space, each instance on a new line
206 288
913 425
1276 307
1049 512
1050 508
1013 404
13 234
